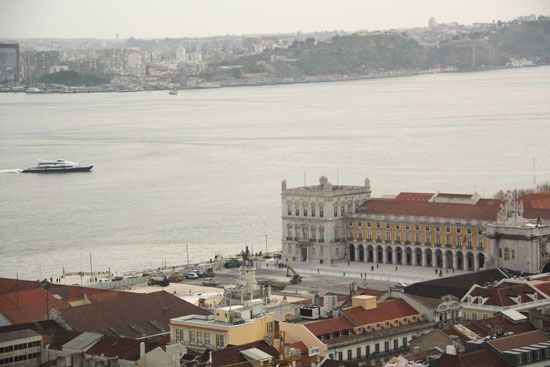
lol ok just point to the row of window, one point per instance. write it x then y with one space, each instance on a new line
11 348
303 209
201 339
414 226
306 232
460 240
23 357
367 350
313 251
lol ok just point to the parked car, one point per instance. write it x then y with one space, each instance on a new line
159 280
191 275
116 278
210 282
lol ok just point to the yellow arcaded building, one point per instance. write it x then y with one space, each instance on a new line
423 229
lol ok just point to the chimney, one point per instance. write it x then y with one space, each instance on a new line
141 350
450 349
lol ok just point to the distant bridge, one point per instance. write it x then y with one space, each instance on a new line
14 46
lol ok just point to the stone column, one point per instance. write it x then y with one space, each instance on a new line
413 260
424 261
444 260
374 255
434 259
384 256
476 261
394 255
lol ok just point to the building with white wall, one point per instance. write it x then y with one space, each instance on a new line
312 219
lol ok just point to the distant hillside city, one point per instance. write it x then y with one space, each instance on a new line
87 65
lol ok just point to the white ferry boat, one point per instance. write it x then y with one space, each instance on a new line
57 166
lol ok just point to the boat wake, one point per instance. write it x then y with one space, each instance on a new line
14 170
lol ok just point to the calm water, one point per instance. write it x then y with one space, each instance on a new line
204 168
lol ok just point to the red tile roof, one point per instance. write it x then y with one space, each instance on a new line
485 212
28 306
232 354
541 285
520 340
73 293
537 200
386 310
536 213
132 317
480 358
328 326
414 196
497 324
300 346
8 285
501 294
123 348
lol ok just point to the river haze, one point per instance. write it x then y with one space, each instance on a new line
204 168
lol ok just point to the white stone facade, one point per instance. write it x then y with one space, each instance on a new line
312 220
521 247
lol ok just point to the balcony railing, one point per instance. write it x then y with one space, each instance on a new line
381 334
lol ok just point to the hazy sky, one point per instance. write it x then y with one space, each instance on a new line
180 18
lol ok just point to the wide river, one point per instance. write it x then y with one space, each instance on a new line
204 168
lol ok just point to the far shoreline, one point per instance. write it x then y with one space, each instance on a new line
322 79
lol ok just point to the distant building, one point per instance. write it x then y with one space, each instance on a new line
432 22
312 219
231 325
369 330
430 230
136 317
20 348
483 301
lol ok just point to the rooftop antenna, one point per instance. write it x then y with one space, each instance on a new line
91 272
337 176
17 288
534 173
305 182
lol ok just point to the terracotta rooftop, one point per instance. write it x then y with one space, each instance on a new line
231 355
485 212
480 358
384 311
497 324
414 196
502 294
536 213
328 326
8 285
300 346
128 349
536 200
131 317
518 341
72 293
28 306
541 285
